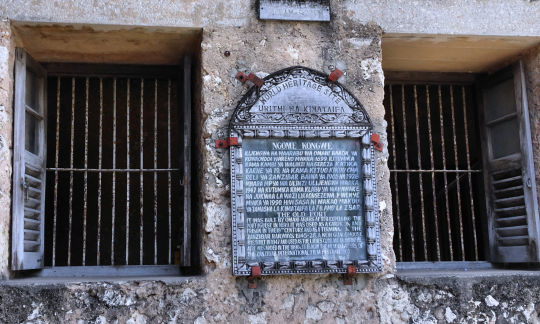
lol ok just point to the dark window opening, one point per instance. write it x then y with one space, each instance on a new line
114 172
436 172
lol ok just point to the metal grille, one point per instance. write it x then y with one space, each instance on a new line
113 171
436 178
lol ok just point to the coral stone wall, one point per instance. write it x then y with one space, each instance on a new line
262 49
349 43
6 130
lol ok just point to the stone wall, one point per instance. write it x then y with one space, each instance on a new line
349 43
263 49
6 129
473 297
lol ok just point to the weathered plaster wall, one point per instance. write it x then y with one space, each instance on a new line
531 62
192 13
455 17
6 122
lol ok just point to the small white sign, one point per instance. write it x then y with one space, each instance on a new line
306 10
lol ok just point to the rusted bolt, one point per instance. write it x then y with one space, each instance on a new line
227 53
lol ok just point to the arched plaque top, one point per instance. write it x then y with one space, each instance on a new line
300 97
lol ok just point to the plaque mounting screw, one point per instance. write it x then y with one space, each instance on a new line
375 138
241 77
335 75
347 278
227 53
225 143
255 273
251 77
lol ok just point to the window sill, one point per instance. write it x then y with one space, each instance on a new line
42 281
446 272
443 265
170 274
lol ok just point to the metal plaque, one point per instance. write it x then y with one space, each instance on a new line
303 181
300 10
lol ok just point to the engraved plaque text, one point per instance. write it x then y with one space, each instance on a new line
303 200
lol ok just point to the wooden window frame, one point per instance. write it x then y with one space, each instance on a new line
499 253
19 258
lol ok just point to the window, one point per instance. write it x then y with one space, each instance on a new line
102 160
461 168
435 172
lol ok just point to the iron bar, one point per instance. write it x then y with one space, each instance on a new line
113 211
169 165
155 173
420 174
98 255
431 159
56 154
85 194
71 172
411 225
141 187
127 174
453 183
468 167
460 214
445 177
396 199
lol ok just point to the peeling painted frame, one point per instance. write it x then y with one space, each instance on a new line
355 125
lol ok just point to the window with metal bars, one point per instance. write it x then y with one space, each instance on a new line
112 187
462 176
112 171
436 174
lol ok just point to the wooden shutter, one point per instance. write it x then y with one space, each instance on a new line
512 206
185 82
29 153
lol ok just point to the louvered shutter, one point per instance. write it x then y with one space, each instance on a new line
29 153
512 206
